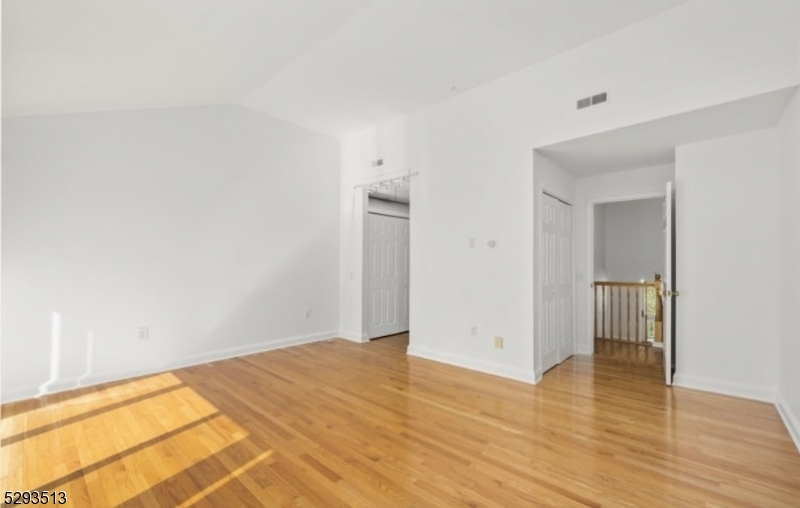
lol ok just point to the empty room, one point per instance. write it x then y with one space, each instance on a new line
396 253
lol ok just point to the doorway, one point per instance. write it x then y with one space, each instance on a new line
387 261
628 260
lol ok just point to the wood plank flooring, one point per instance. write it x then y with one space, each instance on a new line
338 424
643 353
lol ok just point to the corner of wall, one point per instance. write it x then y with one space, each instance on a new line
745 391
354 336
790 419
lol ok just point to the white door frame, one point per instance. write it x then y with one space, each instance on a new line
589 260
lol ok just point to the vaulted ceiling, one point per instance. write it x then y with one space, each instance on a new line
335 66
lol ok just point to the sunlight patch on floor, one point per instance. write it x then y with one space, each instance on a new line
53 413
111 456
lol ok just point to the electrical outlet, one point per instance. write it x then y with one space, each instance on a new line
474 331
143 333
471 243
306 313
498 342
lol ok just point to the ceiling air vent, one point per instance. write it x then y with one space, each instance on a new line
593 100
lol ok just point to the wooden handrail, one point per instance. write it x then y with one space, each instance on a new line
622 283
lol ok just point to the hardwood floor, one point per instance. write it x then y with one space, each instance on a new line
643 353
338 424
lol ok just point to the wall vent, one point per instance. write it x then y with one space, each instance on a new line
593 100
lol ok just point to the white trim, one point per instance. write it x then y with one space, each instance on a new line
20 393
583 349
636 196
354 336
790 419
745 391
63 385
587 342
497 369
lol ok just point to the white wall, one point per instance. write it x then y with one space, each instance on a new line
474 157
215 227
599 237
727 232
789 381
634 239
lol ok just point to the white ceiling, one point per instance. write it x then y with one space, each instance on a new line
96 55
336 66
653 143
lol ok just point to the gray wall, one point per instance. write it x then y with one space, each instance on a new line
633 241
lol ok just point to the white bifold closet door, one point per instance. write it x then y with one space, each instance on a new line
388 275
556 279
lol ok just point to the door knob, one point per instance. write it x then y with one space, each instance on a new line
673 293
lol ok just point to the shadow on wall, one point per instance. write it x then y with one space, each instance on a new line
54 382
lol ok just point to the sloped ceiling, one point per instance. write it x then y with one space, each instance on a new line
335 66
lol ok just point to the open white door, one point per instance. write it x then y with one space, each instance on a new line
668 292
388 275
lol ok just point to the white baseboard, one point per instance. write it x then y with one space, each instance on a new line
354 336
18 393
259 347
790 419
585 350
63 385
745 391
497 369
